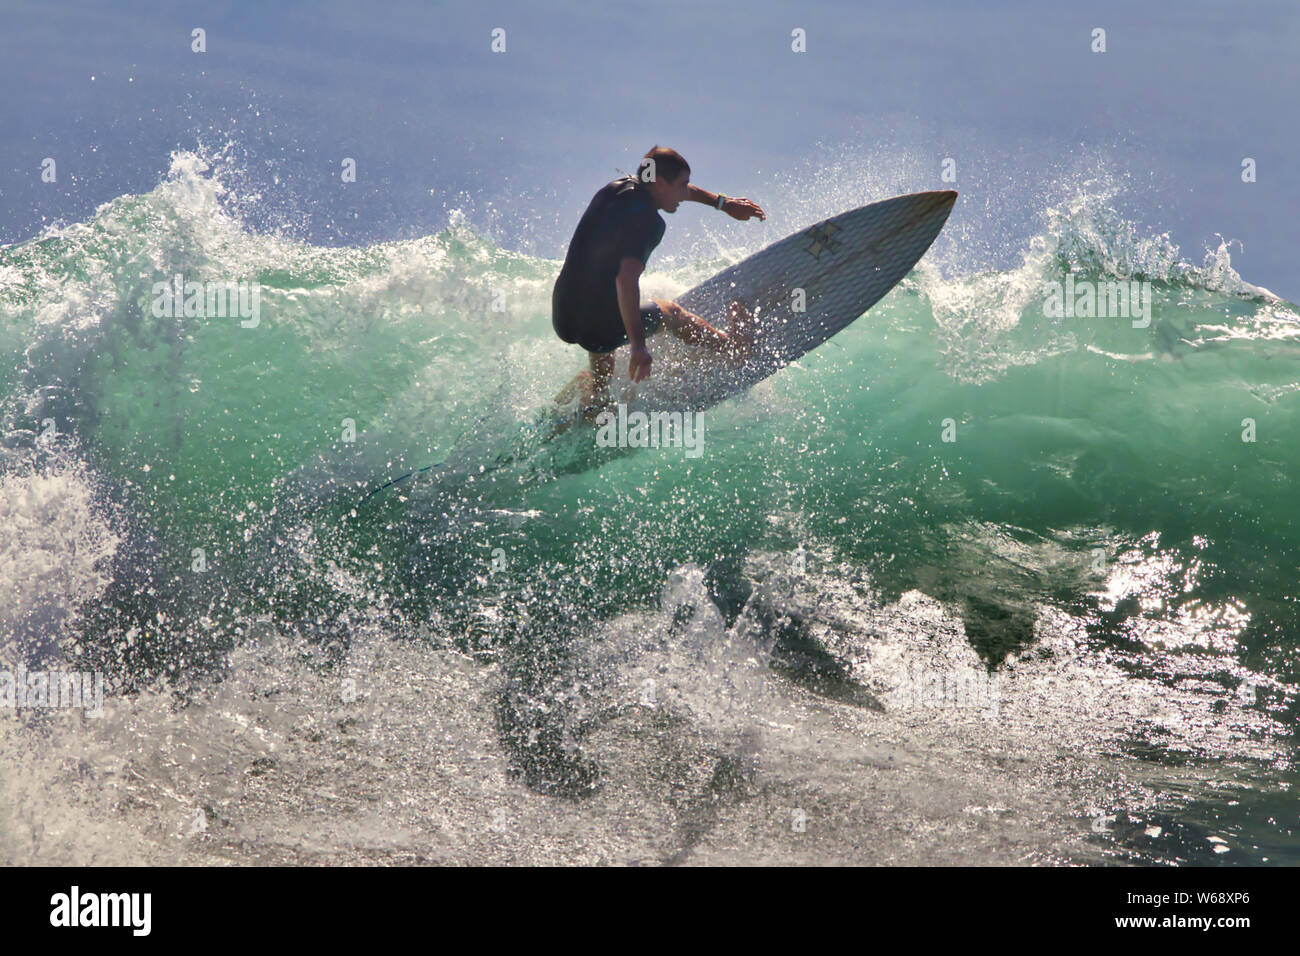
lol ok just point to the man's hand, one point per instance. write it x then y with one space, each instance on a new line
742 209
638 363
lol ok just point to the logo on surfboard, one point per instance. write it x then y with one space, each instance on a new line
823 238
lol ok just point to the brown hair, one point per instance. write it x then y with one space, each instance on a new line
668 163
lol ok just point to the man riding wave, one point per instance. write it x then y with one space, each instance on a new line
596 302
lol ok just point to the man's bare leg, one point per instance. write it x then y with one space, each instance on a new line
597 398
693 330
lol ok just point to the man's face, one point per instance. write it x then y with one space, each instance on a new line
672 193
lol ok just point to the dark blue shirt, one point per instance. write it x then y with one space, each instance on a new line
620 221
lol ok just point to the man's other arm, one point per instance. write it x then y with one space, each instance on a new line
628 282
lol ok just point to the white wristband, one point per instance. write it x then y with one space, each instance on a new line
721 200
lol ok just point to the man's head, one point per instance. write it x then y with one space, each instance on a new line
666 175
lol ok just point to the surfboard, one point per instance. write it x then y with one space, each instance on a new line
801 291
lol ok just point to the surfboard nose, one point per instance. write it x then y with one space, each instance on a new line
935 201
939 198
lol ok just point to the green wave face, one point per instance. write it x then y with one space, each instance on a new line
953 415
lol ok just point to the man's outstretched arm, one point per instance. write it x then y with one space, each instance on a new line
734 207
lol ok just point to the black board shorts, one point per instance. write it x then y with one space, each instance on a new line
597 330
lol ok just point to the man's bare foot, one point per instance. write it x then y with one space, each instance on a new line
579 400
579 387
591 413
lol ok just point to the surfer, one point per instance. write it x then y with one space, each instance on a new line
596 302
